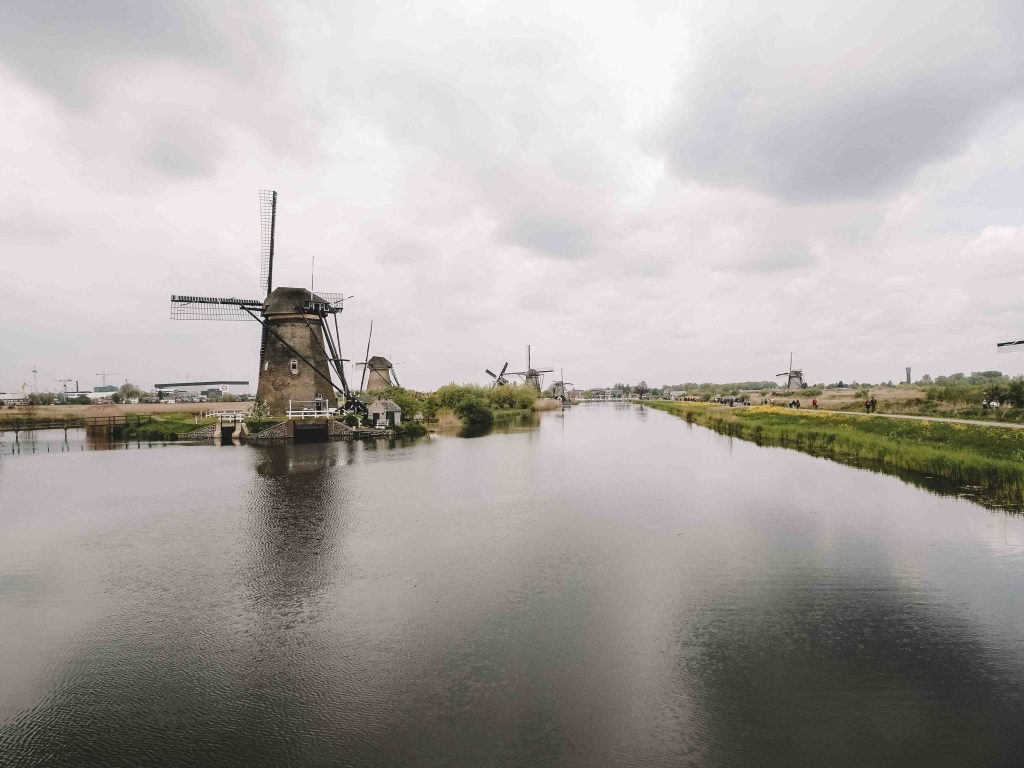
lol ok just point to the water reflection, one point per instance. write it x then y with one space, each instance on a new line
505 424
996 494
610 588
72 440
297 510
827 672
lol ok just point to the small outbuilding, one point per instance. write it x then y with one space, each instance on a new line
384 414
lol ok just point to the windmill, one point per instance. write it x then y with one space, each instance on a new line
561 393
1009 346
377 370
794 378
499 378
299 350
532 377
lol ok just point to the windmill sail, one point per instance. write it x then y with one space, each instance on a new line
213 308
268 227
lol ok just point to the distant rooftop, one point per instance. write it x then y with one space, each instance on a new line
201 384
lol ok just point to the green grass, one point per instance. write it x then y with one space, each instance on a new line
925 407
981 456
164 426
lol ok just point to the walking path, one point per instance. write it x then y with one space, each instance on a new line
1008 424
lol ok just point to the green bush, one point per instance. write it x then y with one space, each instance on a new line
521 398
476 416
409 401
956 393
810 391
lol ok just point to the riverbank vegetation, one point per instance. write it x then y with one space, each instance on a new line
473 408
987 457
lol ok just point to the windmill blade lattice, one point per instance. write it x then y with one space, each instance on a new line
213 308
268 228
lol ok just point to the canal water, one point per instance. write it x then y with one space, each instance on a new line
612 587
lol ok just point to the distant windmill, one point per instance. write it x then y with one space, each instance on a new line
499 378
532 377
560 391
377 370
794 378
299 350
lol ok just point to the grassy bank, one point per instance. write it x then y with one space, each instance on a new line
912 400
990 458
164 426
465 409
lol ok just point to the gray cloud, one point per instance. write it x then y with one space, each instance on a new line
548 234
159 86
60 46
26 223
768 258
179 146
479 180
511 117
809 105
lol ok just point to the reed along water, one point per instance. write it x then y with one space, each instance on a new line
613 587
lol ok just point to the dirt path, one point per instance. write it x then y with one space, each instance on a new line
1007 424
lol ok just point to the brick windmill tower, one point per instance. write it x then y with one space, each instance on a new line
300 355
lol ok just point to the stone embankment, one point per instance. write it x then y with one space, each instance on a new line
340 429
276 432
336 428
209 432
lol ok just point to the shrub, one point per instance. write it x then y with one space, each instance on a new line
475 414
955 393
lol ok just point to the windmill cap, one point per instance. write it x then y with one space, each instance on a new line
285 301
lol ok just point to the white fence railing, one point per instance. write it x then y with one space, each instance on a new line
310 409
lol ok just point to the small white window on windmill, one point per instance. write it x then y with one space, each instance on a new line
293 366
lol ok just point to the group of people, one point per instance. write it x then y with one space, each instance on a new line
870 405
794 403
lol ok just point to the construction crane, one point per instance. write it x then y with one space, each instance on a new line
103 375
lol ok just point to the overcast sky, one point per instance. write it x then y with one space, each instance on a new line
669 191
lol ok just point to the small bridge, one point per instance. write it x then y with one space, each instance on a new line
73 422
